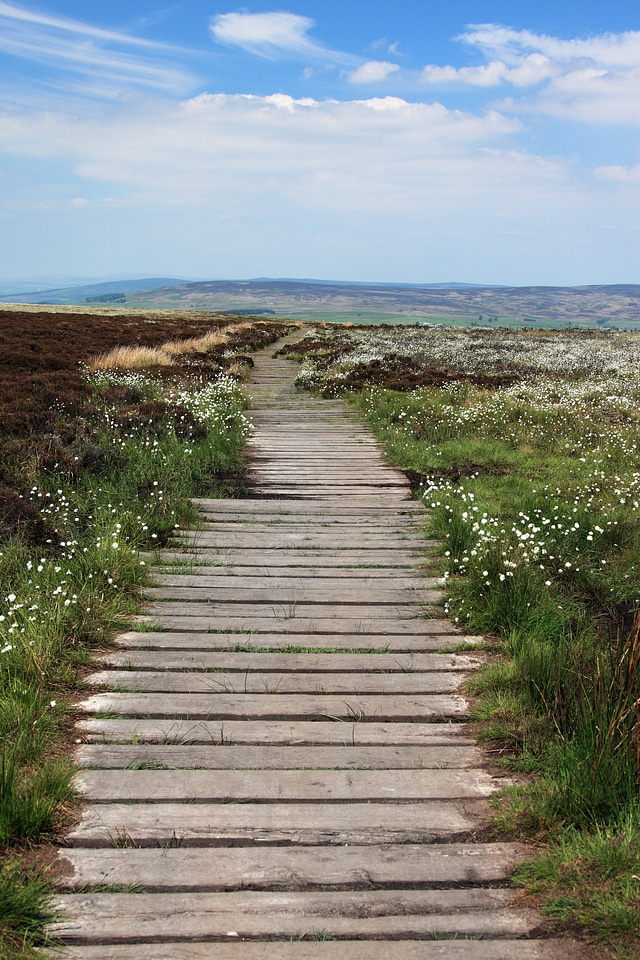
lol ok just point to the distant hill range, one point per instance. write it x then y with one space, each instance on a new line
616 305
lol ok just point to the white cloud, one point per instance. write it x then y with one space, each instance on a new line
373 72
619 174
533 69
273 36
596 80
242 185
91 54
609 49
229 147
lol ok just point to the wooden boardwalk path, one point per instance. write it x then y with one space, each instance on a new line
278 767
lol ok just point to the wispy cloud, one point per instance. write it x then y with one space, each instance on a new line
105 61
275 36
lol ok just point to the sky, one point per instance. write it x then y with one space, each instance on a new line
419 141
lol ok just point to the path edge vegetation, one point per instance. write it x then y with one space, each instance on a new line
88 492
558 701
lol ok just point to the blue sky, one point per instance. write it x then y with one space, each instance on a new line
409 141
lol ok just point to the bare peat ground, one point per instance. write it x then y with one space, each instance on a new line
279 765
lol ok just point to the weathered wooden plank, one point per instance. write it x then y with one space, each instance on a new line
260 504
294 867
283 610
218 683
373 564
208 562
269 525
275 540
275 706
93 920
346 733
236 757
291 662
211 824
116 917
194 592
195 564
257 643
369 561
367 585
228 520
155 786
327 626
500 949
338 507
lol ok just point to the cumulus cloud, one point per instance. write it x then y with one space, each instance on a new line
591 80
373 72
273 36
106 61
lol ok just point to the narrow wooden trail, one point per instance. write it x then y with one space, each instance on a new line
279 766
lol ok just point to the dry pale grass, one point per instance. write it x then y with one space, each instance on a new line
131 358
135 358
214 338
239 369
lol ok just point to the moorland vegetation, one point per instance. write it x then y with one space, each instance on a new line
108 425
525 448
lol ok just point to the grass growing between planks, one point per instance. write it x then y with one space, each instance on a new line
125 464
529 460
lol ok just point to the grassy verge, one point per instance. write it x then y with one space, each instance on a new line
117 481
527 455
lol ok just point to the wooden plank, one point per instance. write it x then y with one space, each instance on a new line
198 592
341 733
266 559
500 949
188 911
229 519
236 757
211 824
208 563
217 683
163 786
282 610
219 706
338 529
325 627
337 507
278 868
94 920
274 540
195 565
211 577
291 662
259 643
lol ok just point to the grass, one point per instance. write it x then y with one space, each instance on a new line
25 899
591 880
529 463
147 446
